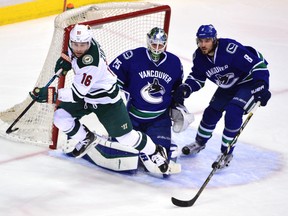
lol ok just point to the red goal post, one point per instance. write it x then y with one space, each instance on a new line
116 26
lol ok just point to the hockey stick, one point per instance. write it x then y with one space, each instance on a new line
188 203
10 130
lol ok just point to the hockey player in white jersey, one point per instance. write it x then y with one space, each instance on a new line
94 90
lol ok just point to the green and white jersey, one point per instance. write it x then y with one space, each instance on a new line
93 81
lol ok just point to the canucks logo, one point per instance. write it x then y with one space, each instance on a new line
226 80
153 92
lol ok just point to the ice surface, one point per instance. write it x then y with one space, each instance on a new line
38 181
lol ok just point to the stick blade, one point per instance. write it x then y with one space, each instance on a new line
183 203
10 130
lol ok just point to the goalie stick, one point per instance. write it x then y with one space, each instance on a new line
188 203
10 130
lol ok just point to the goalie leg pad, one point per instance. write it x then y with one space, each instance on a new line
113 158
108 154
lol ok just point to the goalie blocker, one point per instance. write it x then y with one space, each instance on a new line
114 156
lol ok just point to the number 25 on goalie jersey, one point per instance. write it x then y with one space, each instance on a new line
149 84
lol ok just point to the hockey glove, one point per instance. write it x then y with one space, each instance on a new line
44 94
183 91
261 92
63 63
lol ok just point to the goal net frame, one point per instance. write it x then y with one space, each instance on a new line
93 15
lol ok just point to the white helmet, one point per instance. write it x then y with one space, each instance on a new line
158 37
81 34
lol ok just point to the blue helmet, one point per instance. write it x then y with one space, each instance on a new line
206 31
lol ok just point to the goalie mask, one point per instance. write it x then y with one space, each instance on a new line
181 118
80 39
156 43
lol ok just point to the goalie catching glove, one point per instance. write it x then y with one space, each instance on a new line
181 118
44 94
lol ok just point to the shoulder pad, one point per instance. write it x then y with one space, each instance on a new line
90 58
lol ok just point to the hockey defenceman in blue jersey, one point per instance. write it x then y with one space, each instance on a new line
149 76
242 77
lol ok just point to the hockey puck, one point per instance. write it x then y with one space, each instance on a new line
185 150
215 165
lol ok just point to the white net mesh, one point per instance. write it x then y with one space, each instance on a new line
115 35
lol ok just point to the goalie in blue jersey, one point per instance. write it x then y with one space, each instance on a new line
242 77
149 76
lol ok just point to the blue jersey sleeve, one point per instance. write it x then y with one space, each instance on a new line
196 78
260 70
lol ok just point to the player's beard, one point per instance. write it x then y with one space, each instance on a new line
207 51
78 54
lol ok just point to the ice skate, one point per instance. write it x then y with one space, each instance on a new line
83 146
193 148
223 163
160 158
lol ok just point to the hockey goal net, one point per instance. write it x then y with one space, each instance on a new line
116 26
